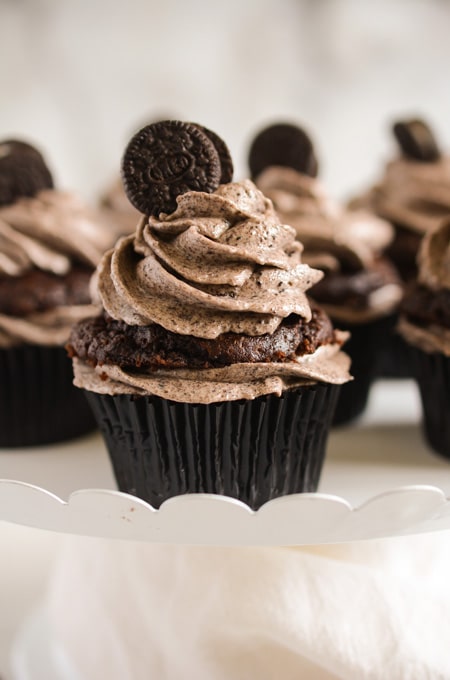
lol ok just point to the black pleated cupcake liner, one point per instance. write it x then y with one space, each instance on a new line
251 450
393 361
432 373
364 348
38 402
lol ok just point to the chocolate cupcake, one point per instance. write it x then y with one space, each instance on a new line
49 246
208 370
413 194
425 326
360 288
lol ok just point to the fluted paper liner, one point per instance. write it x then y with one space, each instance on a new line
364 347
432 373
393 361
252 450
38 402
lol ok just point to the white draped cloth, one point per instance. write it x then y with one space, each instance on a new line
374 610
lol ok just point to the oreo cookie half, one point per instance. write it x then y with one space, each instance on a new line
167 159
416 140
283 144
23 172
224 154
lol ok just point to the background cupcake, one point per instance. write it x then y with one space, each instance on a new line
49 246
208 371
360 289
413 192
425 326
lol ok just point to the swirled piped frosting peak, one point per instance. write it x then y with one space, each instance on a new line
425 321
434 258
414 191
412 194
221 262
41 227
331 234
49 231
49 240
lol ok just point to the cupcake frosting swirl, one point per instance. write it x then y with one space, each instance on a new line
48 232
434 258
51 327
330 233
335 239
434 275
415 195
220 263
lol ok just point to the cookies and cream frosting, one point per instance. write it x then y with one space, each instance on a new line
221 262
333 237
48 232
325 228
412 194
434 275
51 327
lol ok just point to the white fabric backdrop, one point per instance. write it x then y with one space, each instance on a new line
369 611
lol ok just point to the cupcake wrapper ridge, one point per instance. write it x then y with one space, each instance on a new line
252 450
394 360
363 347
432 373
38 402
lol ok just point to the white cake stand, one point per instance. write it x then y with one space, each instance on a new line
380 479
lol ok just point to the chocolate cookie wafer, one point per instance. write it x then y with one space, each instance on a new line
23 172
224 154
416 140
166 159
285 145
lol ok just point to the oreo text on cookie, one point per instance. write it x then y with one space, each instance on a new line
171 168
167 159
